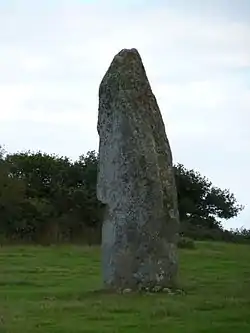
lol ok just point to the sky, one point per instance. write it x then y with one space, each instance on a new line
53 55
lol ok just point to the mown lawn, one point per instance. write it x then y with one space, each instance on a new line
51 290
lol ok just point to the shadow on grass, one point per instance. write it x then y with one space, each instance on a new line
96 293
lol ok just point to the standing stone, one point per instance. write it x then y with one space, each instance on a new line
135 181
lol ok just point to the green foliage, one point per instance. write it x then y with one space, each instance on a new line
58 195
12 199
200 203
47 198
242 233
2 152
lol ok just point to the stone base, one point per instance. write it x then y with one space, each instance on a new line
155 290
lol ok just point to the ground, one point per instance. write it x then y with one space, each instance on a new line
50 290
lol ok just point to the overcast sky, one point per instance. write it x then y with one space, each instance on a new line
53 55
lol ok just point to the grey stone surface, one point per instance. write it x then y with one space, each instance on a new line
135 181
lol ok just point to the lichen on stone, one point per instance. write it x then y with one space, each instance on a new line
135 181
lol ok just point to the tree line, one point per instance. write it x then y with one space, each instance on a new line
46 198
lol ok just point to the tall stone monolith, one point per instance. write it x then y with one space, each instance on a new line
135 181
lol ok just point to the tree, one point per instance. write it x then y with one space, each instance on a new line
51 197
12 197
87 166
200 202
2 153
60 194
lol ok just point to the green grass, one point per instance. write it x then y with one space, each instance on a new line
50 290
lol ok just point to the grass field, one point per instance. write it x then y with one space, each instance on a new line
50 290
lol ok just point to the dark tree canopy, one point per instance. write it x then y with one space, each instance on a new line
200 201
42 194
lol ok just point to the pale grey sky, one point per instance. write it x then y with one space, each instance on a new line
54 53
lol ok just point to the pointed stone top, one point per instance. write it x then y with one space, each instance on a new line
133 50
126 72
127 57
126 54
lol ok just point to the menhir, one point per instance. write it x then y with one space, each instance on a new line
135 181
